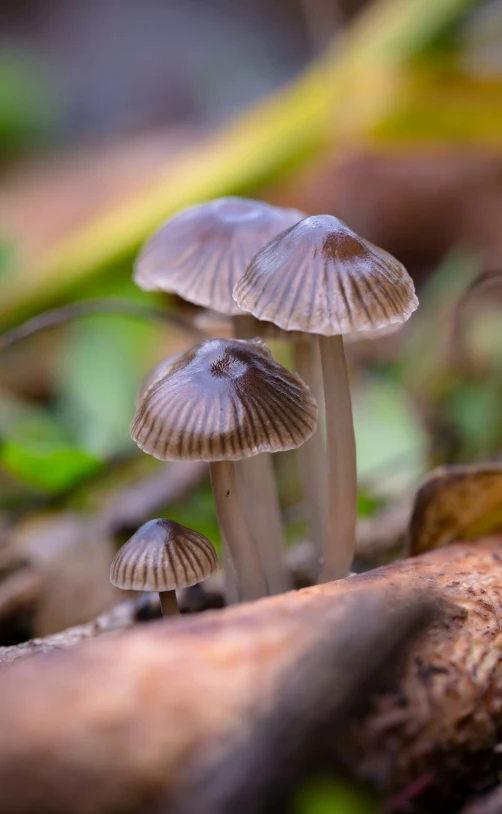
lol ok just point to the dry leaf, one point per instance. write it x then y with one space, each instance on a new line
456 503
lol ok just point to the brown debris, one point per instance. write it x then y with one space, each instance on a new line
456 502
117 719
54 566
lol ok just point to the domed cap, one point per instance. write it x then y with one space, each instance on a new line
156 374
224 400
322 278
201 253
161 556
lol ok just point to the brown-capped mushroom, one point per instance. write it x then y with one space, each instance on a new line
223 401
163 556
203 251
321 278
200 254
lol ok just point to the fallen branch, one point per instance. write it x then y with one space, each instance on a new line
330 685
118 723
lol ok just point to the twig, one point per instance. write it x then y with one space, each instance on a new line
101 305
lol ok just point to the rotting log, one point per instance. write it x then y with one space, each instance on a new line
110 724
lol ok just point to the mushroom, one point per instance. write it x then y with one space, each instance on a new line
221 402
203 251
320 277
163 556
200 254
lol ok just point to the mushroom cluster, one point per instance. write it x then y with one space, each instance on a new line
269 272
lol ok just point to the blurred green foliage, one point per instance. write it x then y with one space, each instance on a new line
333 797
27 109
426 404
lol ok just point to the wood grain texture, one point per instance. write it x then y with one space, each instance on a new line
320 277
203 251
224 400
117 721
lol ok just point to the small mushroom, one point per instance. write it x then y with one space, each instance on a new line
200 254
221 402
163 556
321 278
204 250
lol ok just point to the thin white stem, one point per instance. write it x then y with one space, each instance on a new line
341 455
259 495
235 532
259 498
312 454
169 603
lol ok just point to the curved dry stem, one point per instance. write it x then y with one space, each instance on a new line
100 305
169 603
261 506
312 454
341 457
235 532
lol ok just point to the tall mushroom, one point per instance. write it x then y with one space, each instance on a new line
223 401
321 278
163 556
200 254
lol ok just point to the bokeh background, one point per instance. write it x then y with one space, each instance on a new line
113 116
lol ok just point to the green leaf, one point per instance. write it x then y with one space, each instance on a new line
46 465
100 368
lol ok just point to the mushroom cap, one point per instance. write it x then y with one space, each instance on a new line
320 277
224 400
161 556
203 251
156 374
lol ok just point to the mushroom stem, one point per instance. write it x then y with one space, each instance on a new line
235 532
312 454
341 457
261 506
244 326
169 603
257 481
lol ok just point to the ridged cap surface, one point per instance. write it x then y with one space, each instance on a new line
161 556
202 252
156 374
224 400
320 277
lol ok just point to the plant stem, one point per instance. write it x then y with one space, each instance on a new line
245 326
100 305
169 603
312 454
235 532
261 506
341 456
257 483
